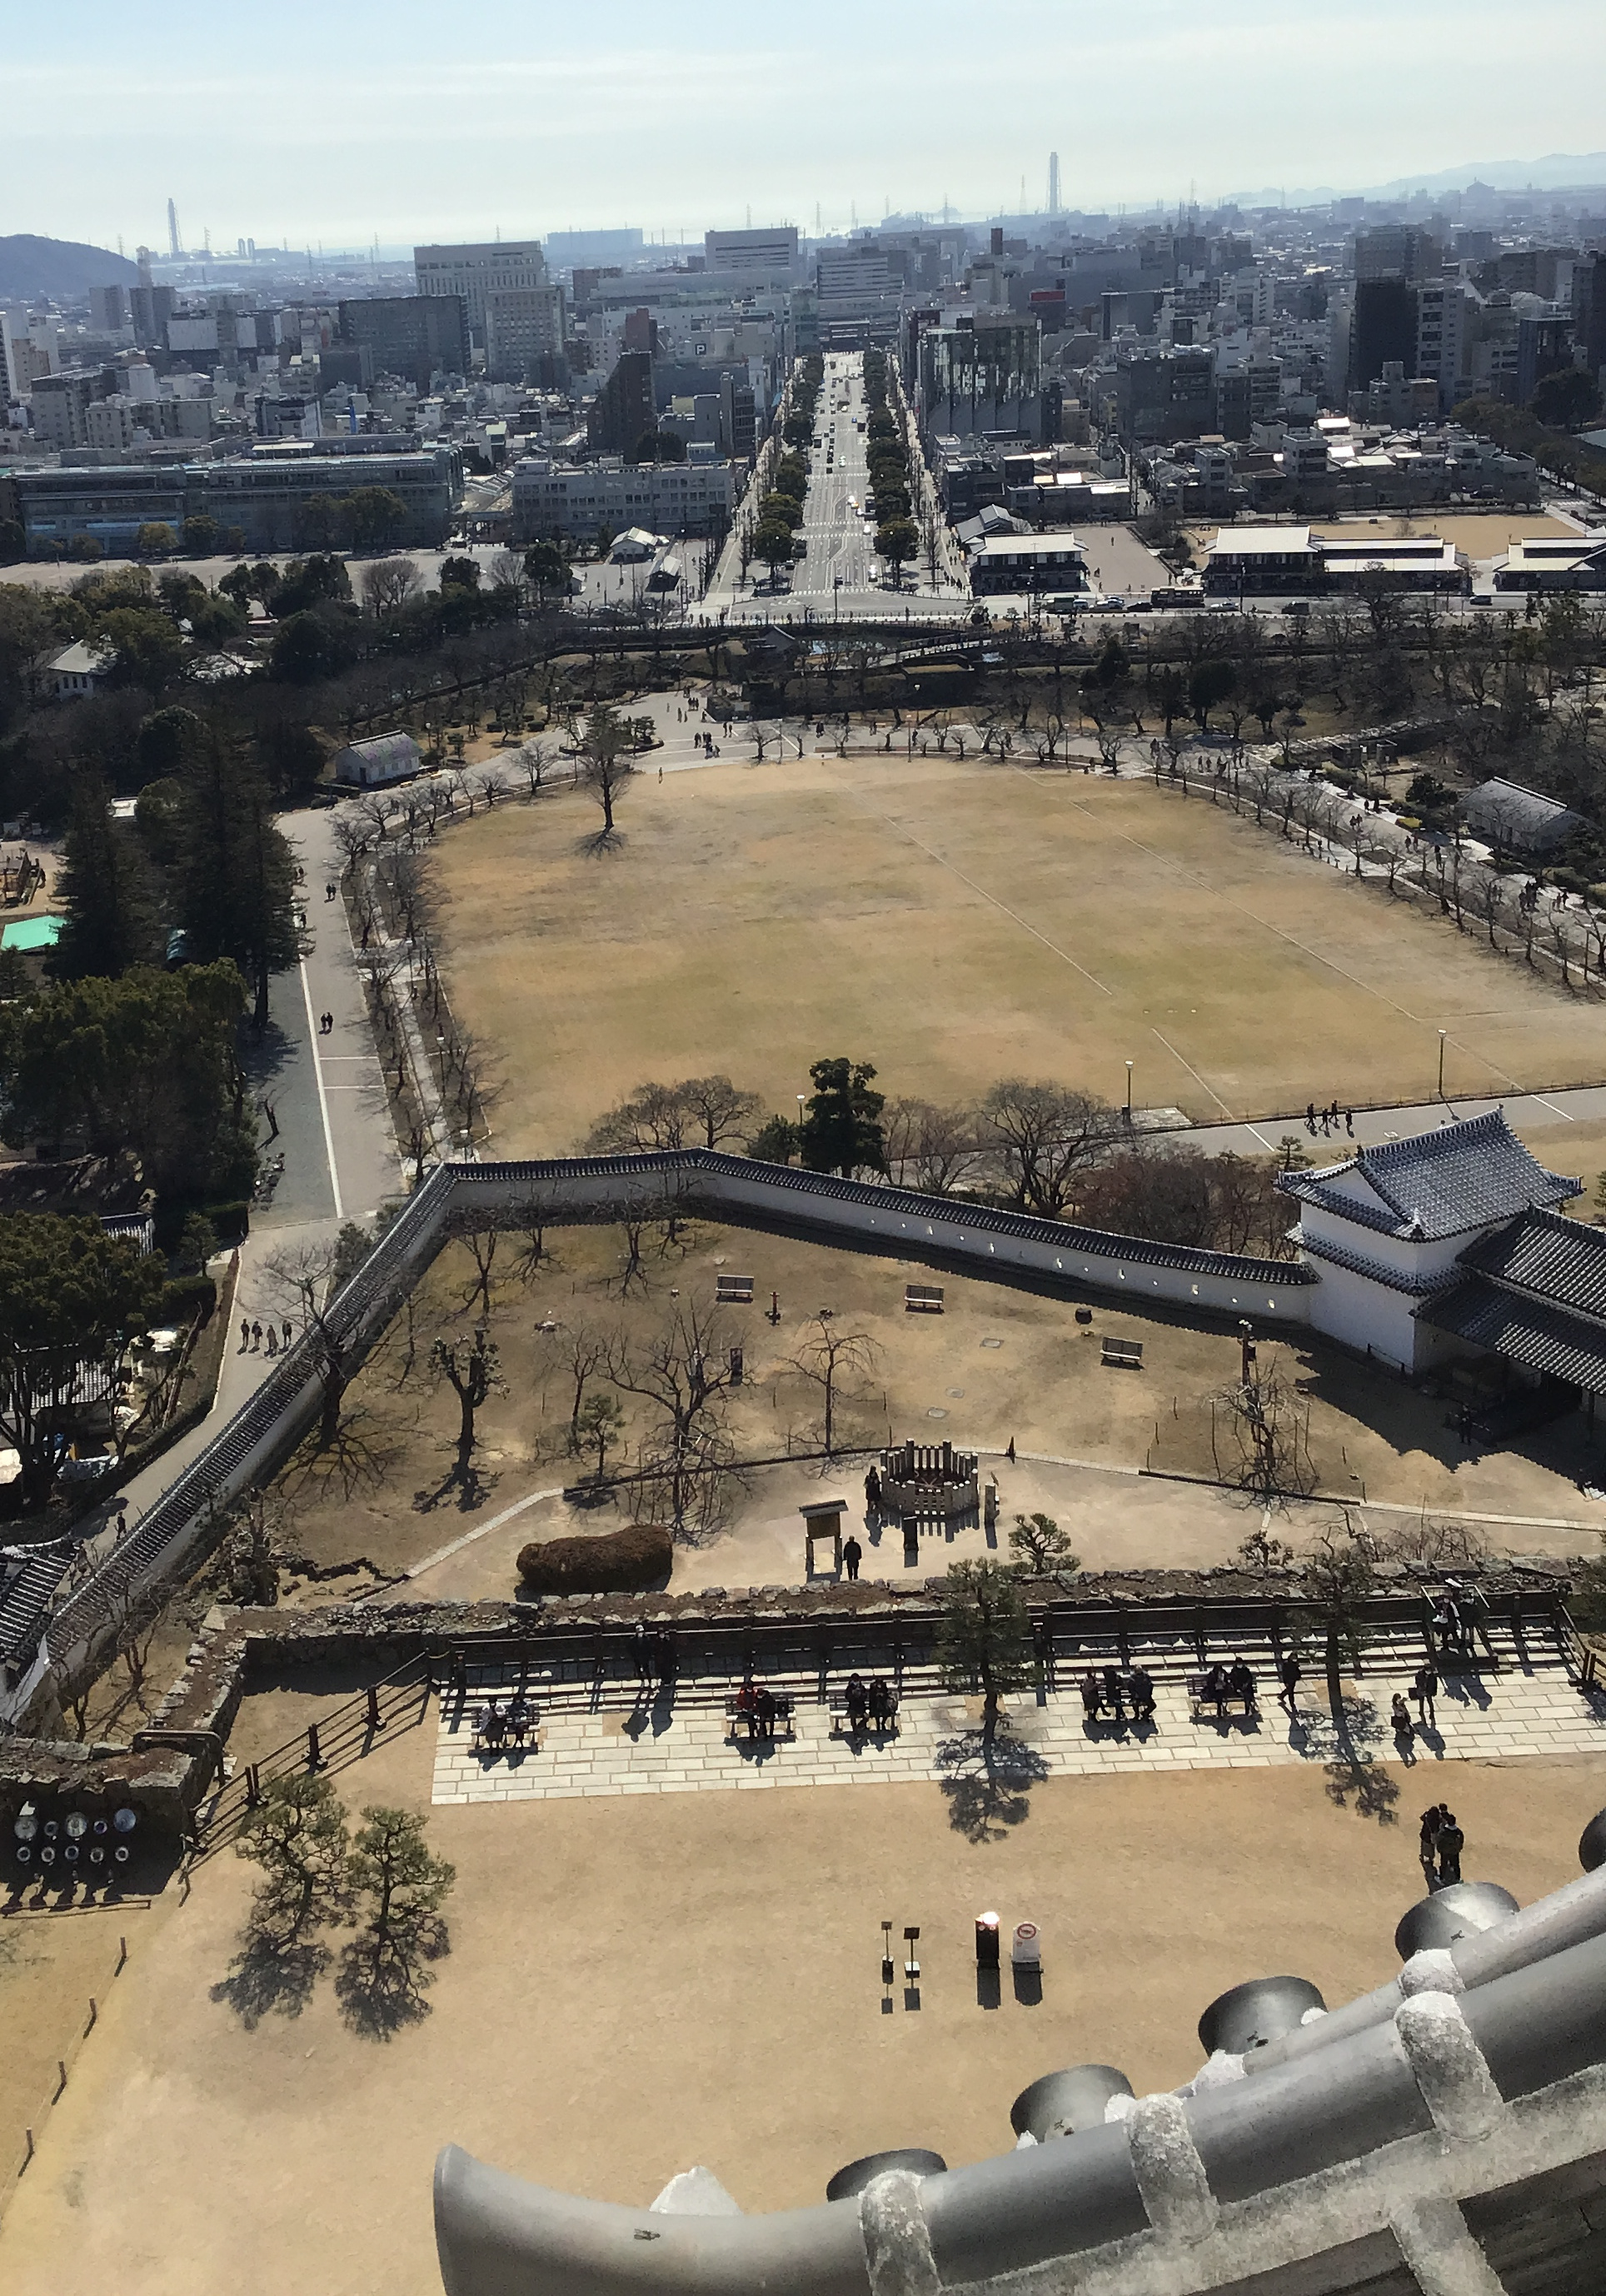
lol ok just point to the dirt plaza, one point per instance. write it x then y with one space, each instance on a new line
955 922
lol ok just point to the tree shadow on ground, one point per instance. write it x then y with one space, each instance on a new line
1356 1781
271 1976
986 1782
471 1486
381 1982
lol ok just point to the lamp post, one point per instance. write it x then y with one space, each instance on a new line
799 1124
1129 1068
1442 1035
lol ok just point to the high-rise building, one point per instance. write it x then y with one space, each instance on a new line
1396 250
1053 183
472 272
1383 329
416 336
523 334
175 244
624 408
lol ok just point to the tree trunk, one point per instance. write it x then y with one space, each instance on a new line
1335 1696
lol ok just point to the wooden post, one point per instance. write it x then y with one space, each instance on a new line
374 1722
315 1759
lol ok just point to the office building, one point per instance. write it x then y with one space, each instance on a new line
61 404
1396 250
624 407
473 272
768 254
282 497
1382 329
524 334
982 376
1164 394
416 337
578 499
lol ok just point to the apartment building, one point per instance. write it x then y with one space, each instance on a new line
473 272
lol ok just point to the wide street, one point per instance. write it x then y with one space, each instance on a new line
840 577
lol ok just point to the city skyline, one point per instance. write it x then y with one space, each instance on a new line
548 128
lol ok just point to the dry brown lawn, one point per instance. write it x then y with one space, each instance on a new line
955 924
388 1495
637 1986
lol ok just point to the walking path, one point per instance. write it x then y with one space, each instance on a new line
1528 1111
670 1747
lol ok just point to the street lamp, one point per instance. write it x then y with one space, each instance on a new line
799 1117
1442 1035
1129 1069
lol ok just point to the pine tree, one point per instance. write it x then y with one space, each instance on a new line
105 892
236 872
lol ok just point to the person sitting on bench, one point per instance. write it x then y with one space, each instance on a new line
1215 1693
1139 1689
492 1728
766 1711
518 1721
746 1708
880 1701
858 1701
1240 1681
1093 1694
1112 1694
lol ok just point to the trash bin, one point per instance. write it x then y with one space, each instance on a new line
987 1940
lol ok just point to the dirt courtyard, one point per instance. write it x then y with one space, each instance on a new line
999 1365
952 923
637 1986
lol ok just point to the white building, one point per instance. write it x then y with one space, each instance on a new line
386 758
770 253
1392 1230
77 671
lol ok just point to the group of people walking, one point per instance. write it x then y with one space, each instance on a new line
1328 1121
253 1335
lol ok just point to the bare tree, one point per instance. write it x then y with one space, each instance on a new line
388 585
472 1367
581 1350
606 763
1043 1134
829 1358
930 1149
682 1369
723 1110
304 1278
654 1117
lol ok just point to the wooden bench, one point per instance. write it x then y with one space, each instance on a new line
1124 1355
783 1728
886 1727
1199 1701
922 1300
480 1745
732 1291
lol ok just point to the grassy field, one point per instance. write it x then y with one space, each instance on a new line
955 924
636 1985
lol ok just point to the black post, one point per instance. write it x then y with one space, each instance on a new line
374 1722
315 1761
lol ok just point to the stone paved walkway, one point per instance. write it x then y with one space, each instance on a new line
684 1749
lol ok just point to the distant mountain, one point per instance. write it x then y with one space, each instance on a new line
61 268
1558 171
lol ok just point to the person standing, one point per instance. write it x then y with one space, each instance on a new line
853 1554
256 1337
245 1333
1427 1847
1424 1689
1450 1844
1404 1728
1288 1674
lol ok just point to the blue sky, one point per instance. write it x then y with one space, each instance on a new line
415 121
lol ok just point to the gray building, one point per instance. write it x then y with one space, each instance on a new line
414 336
982 377
472 272
280 499
578 498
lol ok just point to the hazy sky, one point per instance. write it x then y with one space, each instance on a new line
419 119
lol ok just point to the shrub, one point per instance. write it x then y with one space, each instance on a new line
617 1562
182 1296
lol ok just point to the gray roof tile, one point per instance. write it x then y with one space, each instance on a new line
1438 1184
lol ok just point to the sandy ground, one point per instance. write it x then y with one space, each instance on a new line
1481 534
952 923
52 1965
999 1365
637 1986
